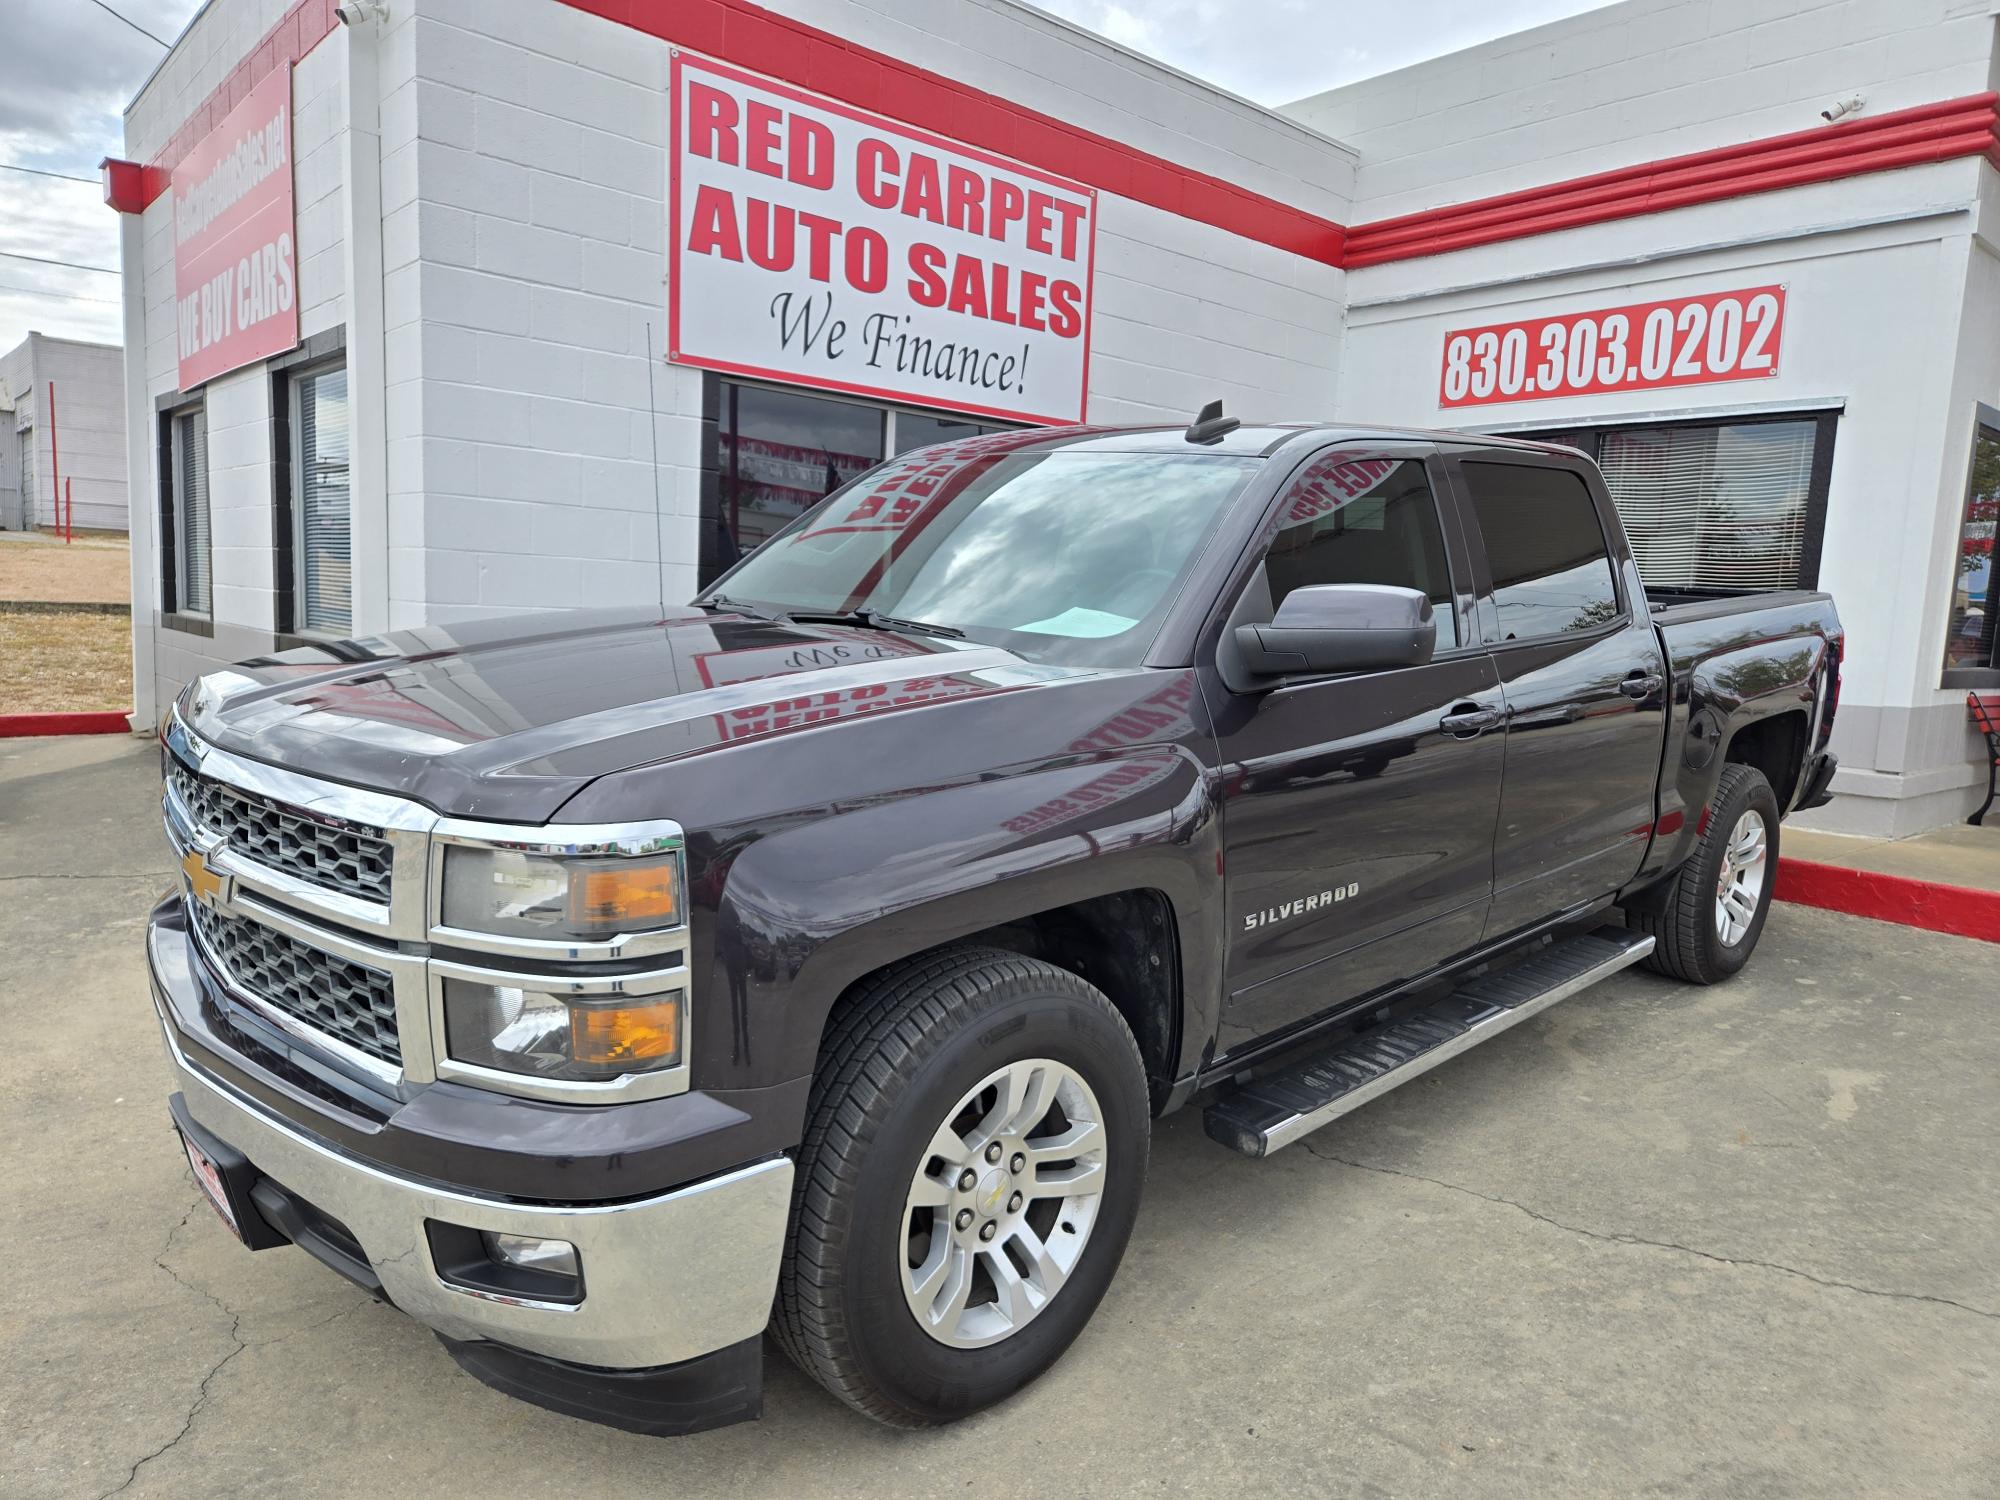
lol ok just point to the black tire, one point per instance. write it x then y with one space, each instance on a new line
916 1038
1687 945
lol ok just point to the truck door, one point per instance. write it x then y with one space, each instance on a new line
1357 821
1584 680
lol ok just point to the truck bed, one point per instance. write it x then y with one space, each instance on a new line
1672 607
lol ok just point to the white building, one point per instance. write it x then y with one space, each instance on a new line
562 302
66 459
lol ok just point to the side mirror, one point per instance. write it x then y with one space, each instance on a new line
1341 627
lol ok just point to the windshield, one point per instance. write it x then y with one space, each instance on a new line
1061 555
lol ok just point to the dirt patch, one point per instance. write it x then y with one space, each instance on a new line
94 569
62 661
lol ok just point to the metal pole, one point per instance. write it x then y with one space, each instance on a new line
69 511
55 460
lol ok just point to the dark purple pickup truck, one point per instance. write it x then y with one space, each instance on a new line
605 991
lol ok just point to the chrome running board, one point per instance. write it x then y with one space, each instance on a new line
1270 1113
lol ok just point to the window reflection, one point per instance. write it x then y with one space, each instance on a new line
1970 640
1551 571
1363 520
917 430
780 454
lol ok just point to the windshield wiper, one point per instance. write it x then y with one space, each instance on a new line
874 619
738 607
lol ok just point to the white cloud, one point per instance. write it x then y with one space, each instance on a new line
64 84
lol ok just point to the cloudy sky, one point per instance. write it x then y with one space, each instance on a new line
65 80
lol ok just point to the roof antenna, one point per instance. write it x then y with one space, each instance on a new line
1212 426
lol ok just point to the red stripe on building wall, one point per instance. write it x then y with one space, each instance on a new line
793 52
1908 137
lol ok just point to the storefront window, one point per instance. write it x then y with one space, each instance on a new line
324 586
1713 507
780 452
917 430
1718 507
184 558
1969 643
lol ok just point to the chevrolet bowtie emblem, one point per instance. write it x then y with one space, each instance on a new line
210 886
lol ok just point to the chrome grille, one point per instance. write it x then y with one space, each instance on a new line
350 1002
335 856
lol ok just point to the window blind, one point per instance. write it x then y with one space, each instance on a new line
192 592
325 562
1713 507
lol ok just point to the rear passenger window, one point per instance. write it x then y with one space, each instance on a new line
1363 520
1551 571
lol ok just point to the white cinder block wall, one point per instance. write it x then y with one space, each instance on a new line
1877 270
537 228
1637 82
238 404
521 171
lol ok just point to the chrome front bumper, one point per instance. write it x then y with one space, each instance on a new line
666 1279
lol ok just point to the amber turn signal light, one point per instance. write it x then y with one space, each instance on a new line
626 895
645 1033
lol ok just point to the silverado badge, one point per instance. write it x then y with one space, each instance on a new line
1255 919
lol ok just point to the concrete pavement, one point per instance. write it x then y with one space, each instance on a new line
1734 1242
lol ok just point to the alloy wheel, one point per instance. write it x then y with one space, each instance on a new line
1002 1203
1740 886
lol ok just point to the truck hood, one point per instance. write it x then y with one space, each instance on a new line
508 719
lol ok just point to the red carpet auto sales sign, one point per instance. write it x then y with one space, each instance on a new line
820 244
235 266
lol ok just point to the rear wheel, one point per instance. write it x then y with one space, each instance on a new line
974 1153
1715 906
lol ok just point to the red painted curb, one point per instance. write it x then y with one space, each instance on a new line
1958 909
20 726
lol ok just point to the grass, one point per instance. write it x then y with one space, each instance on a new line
61 661
95 568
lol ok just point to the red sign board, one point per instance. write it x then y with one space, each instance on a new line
1641 346
235 243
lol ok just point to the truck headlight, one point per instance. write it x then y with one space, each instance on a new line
560 1037
512 894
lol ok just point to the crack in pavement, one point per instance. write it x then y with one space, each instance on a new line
240 1344
1640 1240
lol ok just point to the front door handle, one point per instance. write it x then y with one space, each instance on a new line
1641 685
1468 720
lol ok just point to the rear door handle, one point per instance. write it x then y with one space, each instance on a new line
1641 685
1469 721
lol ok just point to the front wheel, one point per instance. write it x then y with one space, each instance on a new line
974 1152
1715 906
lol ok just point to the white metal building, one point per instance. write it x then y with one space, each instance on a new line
483 305
73 448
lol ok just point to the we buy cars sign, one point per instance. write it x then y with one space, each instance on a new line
235 270
823 245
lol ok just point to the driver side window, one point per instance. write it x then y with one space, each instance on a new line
1364 520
